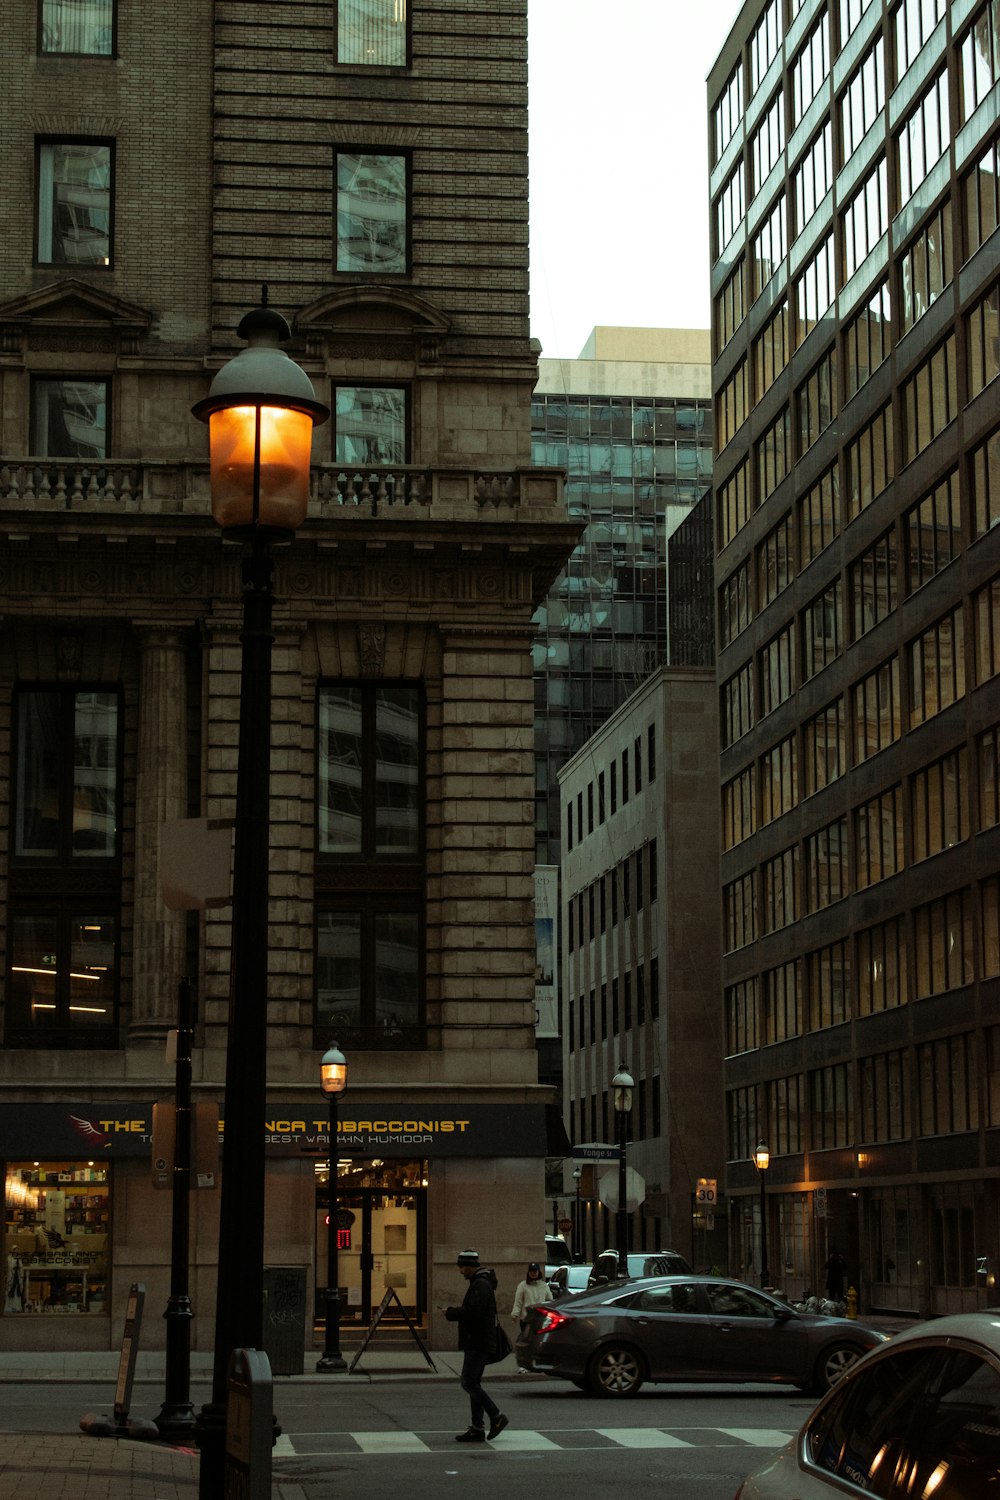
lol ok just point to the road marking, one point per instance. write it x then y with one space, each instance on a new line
642 1437
389 1442
522 1440
283 1446
759 1437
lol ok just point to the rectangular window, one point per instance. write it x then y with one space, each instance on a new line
923 139
988 757
737 705
870 462
810 68
83 27
943 944
936 661
863 100
739 819
651 752
981 200
730 207
739 906
826 868
819 516
770 352
983 341
57 1224
823 630
775 562
986 620
782 1003
368 974
69 418
824 750
828 982
831 1107
926 268
867 340
949 1092
730 306
884 1087
66 785
62 980
728 112
813 178
876 710
878 838
986 486
933 531
734 504
880 971
770 246
372 32
765 42
742 1128
370 771
915 20
774 455
371 425
873 585
75 195
786 1113
864 220
731 406
938 810
814 290
767 142
781 890
851 12
777 671
980 58
734 604
779 790
372 213
741 1017
816 401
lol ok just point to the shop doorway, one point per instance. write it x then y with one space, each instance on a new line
382 1239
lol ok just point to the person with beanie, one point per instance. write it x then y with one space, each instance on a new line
477 1324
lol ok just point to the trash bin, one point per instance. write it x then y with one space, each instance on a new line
285 1318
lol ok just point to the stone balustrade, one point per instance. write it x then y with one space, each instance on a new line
123 488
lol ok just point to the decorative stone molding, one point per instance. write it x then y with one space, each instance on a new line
371 650
72 316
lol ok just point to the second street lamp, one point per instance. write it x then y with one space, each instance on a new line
762 1160
333 1081
621 1093
261 409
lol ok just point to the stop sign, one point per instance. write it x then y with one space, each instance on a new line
565 1226
635 1190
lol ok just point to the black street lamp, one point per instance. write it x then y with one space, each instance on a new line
261 409
621 1086
579 1244
762 1160
333 1081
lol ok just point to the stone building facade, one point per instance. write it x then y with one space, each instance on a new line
163 166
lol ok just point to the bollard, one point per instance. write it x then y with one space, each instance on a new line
852 1302
249 1427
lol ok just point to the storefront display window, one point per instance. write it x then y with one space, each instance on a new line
56 1229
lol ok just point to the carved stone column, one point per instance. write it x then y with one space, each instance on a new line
161 793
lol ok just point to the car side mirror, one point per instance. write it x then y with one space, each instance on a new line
783 1314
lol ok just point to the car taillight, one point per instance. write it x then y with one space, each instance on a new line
550 1319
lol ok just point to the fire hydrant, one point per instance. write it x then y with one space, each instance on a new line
852 1302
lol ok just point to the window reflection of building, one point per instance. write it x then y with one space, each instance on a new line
371 425
371 213
371 32
74 203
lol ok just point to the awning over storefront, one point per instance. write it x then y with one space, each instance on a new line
84 1131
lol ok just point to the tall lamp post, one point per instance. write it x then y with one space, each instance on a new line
579 1244
260 409
621 1093
762 1160
333 1081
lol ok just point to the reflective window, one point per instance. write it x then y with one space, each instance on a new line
57 1225
926 268
936 668
930 399
765 42
738 712
770 352
368 974
923 138
983 341
731 406
369 770
872 579
770 247
914 20
824 748
774 455
851 12
734 604
85 27
986 486
66 788
775 562
988 760
933 530
863 100
938 811
878 838
986 619
730 207
867 340
810 68
734 504
75 193
767 142
372 32
823 630
943 945
780 891
69 418
777 670
813 177
741 1016
739 905
728 111
949 1096
816 401
876 710
881 969
831 1105
814 290
63 976
371 425
864 220
782 1001
980 58
870 462
883 1096
739 818
372 213
730 306
828 985
981 200
819 515
779 790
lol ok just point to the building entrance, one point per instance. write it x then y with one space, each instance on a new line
382 1238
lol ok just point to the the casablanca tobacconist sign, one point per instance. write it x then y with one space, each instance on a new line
91 1130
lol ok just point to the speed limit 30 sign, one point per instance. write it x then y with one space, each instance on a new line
707 1192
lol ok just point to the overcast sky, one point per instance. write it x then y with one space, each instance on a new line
619 164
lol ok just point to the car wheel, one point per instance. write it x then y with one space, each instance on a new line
617 1370
834 1362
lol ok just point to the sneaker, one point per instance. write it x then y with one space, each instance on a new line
497 1426
473 1435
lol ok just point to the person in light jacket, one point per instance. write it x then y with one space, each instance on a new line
532 1290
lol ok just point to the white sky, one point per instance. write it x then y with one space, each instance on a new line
619 164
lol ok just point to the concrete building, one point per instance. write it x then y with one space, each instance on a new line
158 166
854 202
640 977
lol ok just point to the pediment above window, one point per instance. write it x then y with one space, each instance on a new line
70 315
372 322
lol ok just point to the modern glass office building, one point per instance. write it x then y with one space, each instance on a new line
856 283
631 423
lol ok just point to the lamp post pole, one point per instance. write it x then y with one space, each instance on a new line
579 1247
176 1416
621 1092
261 409
333 1072
762 1159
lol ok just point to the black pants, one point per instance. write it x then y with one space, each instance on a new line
473 1366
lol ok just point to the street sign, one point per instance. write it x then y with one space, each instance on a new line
635 1190
565 1226
707 1192
595 1151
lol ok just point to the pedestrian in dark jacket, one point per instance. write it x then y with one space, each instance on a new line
477 1325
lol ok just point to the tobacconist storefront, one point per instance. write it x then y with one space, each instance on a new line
87 1207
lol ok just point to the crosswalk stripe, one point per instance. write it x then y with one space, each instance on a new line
642 1437
389 1442
283 1446
523 1440
758 1437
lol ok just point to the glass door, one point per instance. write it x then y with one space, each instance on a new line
381 1230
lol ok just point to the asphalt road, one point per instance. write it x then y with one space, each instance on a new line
398 1439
